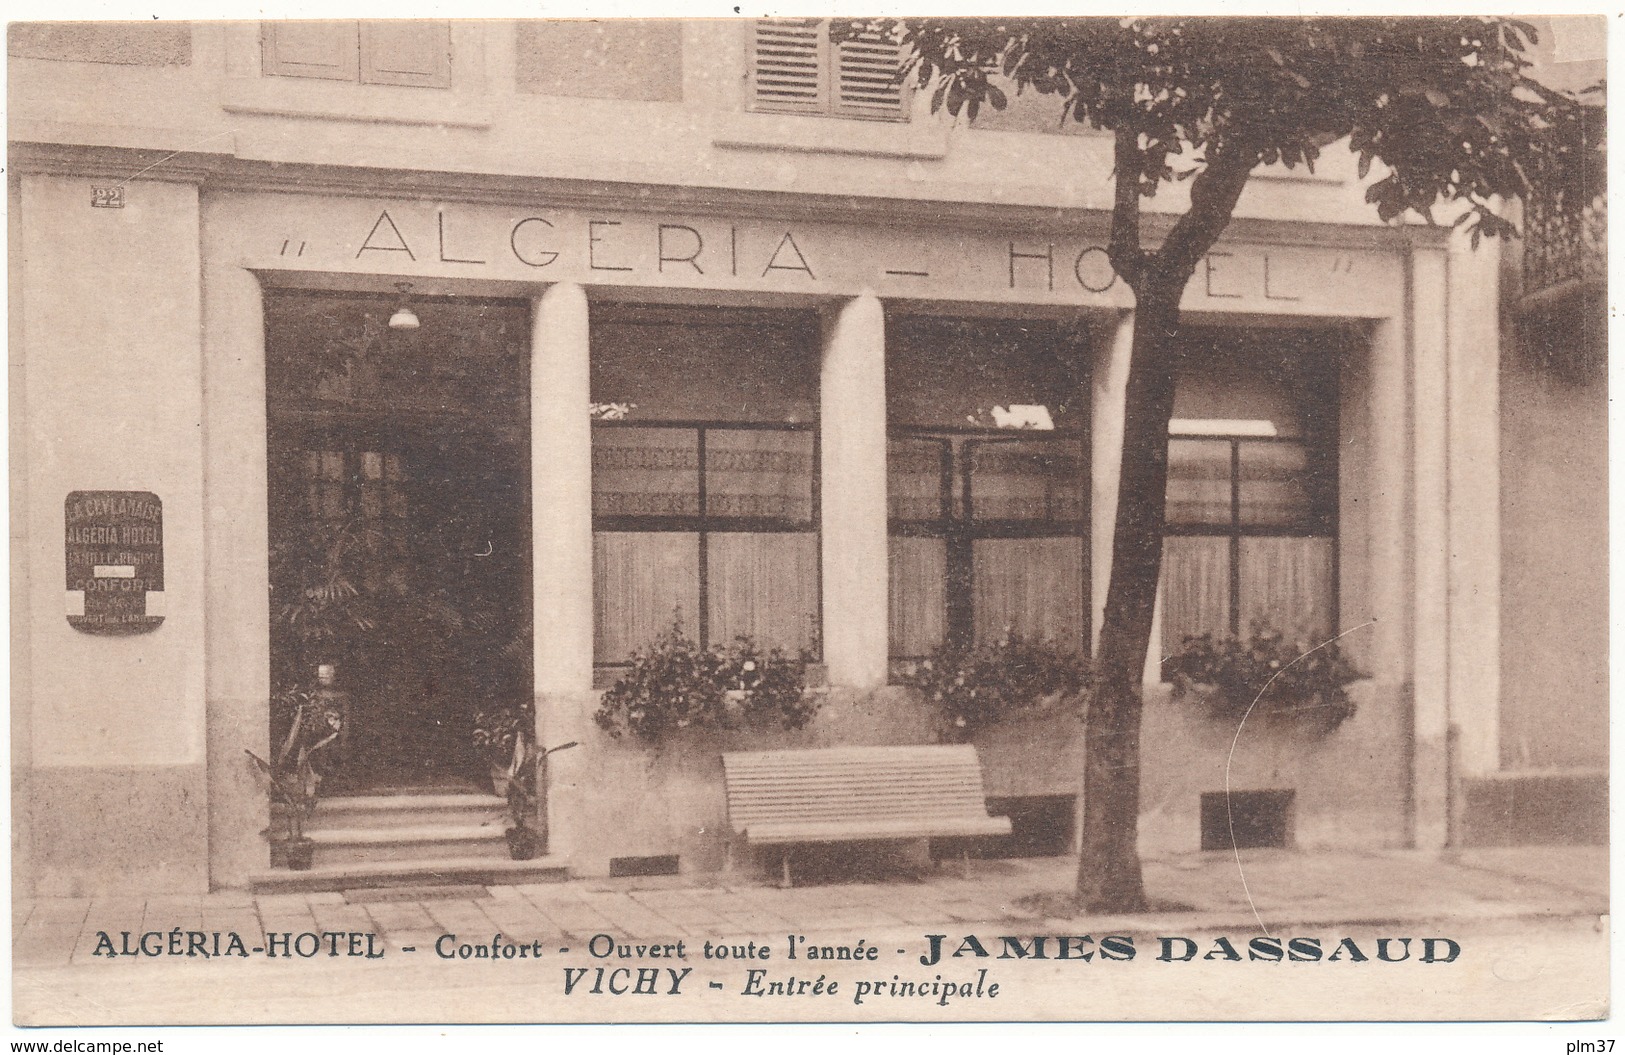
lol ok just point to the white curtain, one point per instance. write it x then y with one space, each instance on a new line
1032 586
919 594
1287 583
758 473
640 580
1195 588
645 472
764 585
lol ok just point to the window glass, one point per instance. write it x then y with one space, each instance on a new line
705 493
1252 503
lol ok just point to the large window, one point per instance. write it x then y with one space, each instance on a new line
987 484
796 69
1252 488
705 491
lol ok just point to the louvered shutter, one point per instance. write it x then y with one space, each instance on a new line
787 74
310 49
866 81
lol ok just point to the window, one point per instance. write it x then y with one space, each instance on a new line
705 497
403 52
1252 490
796 69
987 484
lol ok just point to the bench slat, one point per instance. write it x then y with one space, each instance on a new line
857 793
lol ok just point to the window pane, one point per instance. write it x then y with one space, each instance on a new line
918 593
1027 480
693 365
1198 482
914 479
1195 588
947 373
759 473
1276 486
764 585
1029 586
645 472
1287 583
642 580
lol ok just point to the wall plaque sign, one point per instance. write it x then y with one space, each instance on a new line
115 561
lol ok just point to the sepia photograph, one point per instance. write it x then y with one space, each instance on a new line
938 518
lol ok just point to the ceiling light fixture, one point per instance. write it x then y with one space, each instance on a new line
404 318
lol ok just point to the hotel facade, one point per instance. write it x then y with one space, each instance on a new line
716 325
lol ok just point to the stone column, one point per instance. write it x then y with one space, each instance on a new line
852 493
1475 506
1430 523
237 640
561 540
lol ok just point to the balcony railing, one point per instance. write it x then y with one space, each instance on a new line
1565 240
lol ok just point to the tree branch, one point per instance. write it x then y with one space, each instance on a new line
1214 193
1124 251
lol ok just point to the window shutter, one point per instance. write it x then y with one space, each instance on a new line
786 72
310 49
867 83
406 52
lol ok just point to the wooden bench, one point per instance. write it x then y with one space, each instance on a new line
852 794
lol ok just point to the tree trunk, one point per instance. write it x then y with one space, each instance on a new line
1109 877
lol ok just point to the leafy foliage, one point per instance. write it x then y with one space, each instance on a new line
1439 109
311 726
978 687
675 684
1283 678
1445 104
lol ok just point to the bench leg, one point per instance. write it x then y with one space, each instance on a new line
784 862
964 862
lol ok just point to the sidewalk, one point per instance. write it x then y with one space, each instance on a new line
1192 893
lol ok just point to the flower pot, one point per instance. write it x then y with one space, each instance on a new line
522 844
299 853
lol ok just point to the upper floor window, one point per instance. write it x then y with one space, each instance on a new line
405 52
795 68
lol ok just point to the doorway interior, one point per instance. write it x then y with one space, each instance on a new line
399 493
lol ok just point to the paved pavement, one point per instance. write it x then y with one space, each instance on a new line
56 941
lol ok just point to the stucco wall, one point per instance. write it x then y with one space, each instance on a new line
1554 522
112 373
618 798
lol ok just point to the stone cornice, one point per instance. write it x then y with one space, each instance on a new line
223 173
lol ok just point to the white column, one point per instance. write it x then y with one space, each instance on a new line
561 492
852 495
237 641
1475 506
1430 521
1387 572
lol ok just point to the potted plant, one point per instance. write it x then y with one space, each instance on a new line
972 688
292 775
525 780
500 735
1265 673
675 684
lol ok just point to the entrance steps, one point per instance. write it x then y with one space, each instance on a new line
430 872
406 838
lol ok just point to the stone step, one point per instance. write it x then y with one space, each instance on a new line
407 811
338 846
439 871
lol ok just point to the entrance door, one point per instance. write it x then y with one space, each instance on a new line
400 551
